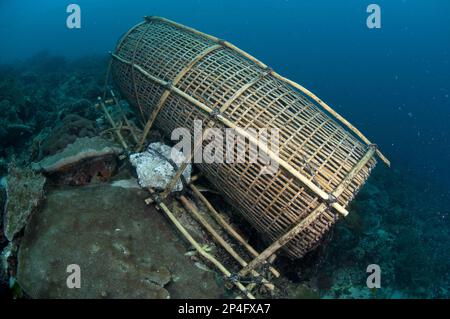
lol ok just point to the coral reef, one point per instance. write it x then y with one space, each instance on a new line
35 94
24 192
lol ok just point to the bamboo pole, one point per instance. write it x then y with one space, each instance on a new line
105 84
230 230
191 208
201 251
210 37
149 200
278 76
283 240
119 45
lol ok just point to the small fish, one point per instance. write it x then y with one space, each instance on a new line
202 266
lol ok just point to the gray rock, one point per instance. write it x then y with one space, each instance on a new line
155 170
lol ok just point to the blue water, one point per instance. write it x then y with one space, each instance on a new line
392 83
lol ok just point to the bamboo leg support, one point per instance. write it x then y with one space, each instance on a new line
108 72
191 208
149 125
201 251
230 230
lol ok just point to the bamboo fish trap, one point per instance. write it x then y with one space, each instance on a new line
174 75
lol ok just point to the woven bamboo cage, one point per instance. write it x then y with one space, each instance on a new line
174 75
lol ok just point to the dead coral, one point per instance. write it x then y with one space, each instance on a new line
24 192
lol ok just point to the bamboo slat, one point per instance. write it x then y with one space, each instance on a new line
341 210
112 123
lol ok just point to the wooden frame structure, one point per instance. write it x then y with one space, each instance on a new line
174 74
